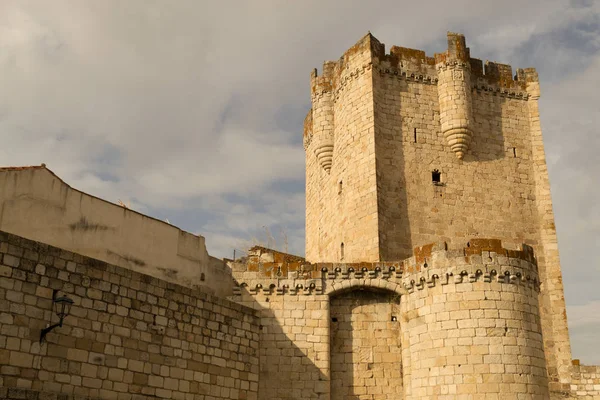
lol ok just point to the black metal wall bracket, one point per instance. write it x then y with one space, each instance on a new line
63 306
45 331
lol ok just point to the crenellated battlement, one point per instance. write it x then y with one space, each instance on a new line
353 62
457 50
268 272
366 47
322 83
414 64
457 75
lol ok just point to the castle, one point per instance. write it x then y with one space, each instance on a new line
431 269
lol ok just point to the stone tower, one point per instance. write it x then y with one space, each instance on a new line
403 150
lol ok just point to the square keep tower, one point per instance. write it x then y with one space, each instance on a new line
403 149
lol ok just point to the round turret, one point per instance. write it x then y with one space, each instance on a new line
454 91
322 117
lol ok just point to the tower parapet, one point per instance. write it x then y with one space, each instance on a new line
528 78
454 92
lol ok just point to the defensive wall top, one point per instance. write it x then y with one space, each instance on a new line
267 262
409 63
39 205
272 272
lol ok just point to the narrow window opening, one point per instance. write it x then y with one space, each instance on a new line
334 319
436 176
342 251
394 319
415 133
202 276
514 152
340 186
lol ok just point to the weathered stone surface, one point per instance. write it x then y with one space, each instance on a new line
102 351
38 205
434 149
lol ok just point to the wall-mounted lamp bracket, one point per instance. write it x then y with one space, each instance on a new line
62 307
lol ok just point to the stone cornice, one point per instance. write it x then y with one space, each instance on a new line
482 88
426 269
452 64
395 280
411 76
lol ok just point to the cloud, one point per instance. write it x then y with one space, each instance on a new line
193 111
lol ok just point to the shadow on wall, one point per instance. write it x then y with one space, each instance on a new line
395 239
413 208
488 143
316 347
366 351
291 344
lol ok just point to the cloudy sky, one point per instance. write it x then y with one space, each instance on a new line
193 111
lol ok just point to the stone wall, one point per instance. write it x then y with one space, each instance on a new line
442 323
294 330
553 307
36 204
586 382
476 335
294 345
468 324
27 394
489 193
366 349
129 336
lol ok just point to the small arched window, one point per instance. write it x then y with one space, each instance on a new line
340 186
342 251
